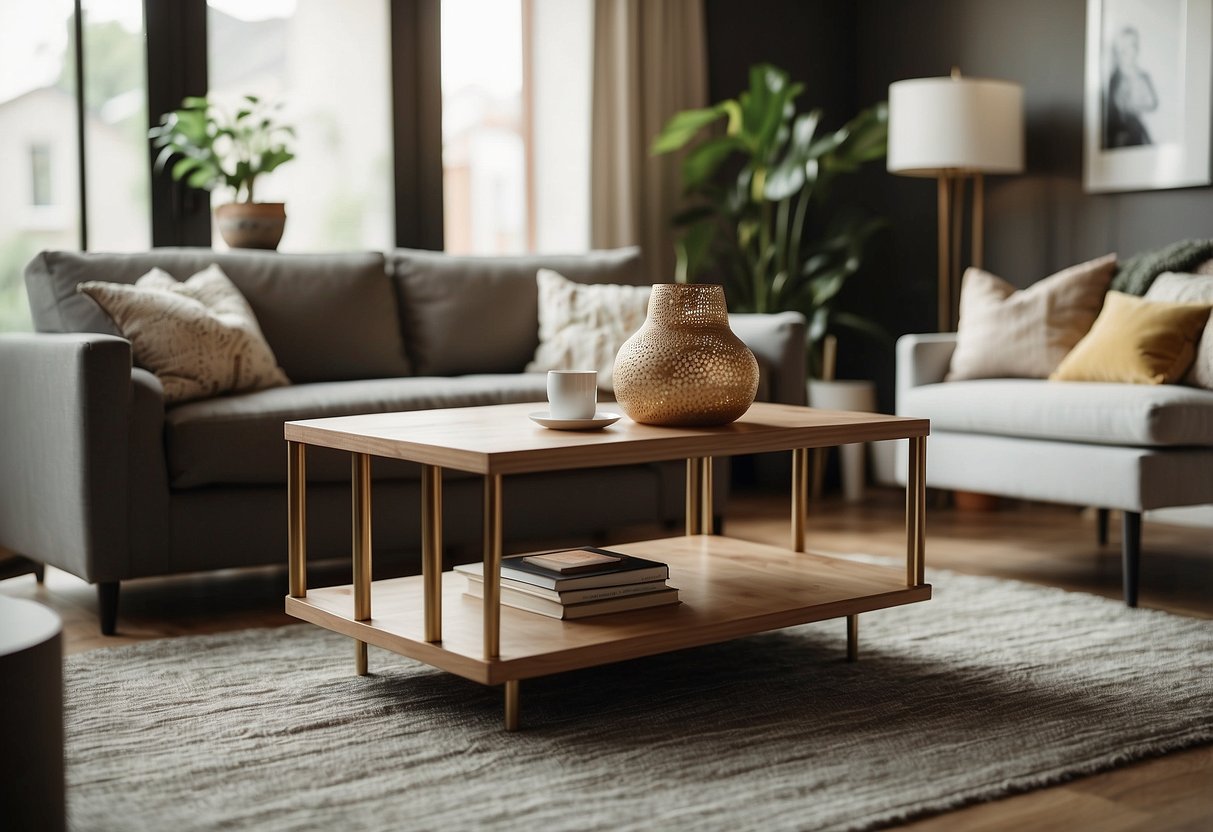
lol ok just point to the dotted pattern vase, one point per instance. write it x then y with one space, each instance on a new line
684 366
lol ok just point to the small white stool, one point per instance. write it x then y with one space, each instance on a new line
31 716
846 395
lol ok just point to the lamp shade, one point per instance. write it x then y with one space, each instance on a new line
966 125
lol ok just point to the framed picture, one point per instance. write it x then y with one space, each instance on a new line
1147 98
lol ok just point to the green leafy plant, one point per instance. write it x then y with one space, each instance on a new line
781 232
211 148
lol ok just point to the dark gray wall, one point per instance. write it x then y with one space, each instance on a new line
1036 223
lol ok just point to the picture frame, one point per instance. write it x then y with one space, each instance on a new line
1147 94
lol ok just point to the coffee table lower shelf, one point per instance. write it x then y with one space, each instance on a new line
729 588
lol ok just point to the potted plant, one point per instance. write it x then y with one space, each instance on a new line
780 232
776 232
211 148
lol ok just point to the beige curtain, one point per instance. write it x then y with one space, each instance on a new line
650 61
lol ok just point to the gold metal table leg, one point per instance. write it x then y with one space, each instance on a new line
492 566
800 496
431 549
852 638
361 476
694 481
706 526
512 706
916 513
296 497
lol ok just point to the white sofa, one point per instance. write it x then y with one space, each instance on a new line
1114 446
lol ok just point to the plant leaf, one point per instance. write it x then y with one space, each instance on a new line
682 127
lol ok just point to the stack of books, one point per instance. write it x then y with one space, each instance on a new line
576 583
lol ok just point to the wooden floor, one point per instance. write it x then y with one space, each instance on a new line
1039 544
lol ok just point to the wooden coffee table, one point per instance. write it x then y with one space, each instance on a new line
729 588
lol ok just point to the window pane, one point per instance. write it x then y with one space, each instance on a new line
483 150
116 164
39 204
327 63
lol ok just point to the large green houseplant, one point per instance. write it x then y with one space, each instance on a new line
208 147
779 231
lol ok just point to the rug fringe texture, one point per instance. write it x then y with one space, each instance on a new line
991 688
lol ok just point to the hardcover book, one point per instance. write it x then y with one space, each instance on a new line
573 561
628 570
518 599
574 596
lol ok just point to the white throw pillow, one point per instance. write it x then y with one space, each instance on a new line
1190 288
199 336
583 325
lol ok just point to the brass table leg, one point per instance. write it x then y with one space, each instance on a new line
800 496
916 513
492 566
512 706
431 549
706 526
694 503
852 638
296 498
361 476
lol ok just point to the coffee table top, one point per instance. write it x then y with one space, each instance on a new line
500 439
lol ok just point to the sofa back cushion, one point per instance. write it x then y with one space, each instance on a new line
327 317
467 314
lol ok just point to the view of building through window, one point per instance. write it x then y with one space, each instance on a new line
483 139
328 64
39 158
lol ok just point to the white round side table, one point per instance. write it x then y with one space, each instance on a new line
31 716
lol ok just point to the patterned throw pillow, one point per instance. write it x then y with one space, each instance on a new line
583 325
1009 333
199 336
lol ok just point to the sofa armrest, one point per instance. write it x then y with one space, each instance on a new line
65 409
922 359
778 342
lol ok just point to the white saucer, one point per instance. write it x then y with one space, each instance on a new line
600 420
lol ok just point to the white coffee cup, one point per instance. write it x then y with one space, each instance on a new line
572 394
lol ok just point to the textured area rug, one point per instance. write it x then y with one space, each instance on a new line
992 687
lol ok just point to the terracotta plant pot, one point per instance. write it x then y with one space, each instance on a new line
684 366
251 224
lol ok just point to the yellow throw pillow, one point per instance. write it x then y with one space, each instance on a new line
198 336
1010 333
1136 341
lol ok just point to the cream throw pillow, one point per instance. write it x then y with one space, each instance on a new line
1009 333
199 337
1004 332
1190 288
583 325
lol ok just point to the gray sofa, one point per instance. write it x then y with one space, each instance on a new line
1114 446
101 479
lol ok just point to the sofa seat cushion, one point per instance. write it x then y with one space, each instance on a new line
1105 414
238 439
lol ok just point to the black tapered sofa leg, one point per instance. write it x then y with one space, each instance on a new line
1101 526
1131 554
107 597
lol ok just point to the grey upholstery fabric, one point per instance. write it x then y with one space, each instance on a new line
778 342
327 317
1089 472
238 439
1106 414
63 450
147 491
480 314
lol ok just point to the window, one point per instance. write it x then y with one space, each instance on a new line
40 174
116 167
328 65
516 125
37 144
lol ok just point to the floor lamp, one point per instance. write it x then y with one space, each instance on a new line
956 130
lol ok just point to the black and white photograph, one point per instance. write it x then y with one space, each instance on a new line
1147 94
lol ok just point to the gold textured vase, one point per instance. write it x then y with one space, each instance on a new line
684 366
